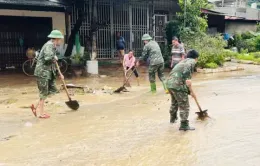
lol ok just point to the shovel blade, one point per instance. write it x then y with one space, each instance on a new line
122 88
73 104
202 115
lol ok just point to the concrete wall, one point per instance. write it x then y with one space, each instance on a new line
231 27
252 14
247 13
58 18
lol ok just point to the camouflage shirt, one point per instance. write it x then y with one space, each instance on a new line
152 51
179 74
45 68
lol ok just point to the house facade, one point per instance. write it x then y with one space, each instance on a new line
26 23
223 23
132 18
231 16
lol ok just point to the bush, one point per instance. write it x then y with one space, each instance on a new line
258 27
211 65
244 51
210 48
249 41
166 53
248 44
247 35
257 43
256 54
230 54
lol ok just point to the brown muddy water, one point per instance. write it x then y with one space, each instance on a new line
132 129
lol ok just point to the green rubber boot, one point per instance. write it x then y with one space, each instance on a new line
185 126
153 87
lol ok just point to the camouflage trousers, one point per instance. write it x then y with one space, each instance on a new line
46 87
179 100
159 69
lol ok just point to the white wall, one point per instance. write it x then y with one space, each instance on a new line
58 18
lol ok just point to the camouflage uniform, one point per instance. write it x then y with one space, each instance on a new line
176 83
45 71
152 52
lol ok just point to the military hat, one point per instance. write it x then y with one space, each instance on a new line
146 37
56 34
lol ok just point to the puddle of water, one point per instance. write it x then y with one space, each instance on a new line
133 128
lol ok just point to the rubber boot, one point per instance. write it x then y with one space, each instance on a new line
173 118
153 87
165 88
185 126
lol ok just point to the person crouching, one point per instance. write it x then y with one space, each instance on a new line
179 83
129 64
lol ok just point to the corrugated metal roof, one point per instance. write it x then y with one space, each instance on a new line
239 18
58 4
213 12
34 2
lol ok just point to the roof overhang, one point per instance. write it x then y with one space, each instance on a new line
212 12
35 5
239 18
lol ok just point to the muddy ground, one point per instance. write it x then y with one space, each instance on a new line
131 128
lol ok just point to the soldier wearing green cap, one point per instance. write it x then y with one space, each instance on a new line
45 71
152 52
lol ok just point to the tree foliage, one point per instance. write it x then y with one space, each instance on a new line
191 29
192 17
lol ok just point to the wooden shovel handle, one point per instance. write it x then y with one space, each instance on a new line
195 98
129 77
63 81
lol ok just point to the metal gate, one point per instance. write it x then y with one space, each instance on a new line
130 19
19 33
159 21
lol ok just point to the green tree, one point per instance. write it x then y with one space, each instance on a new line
172 29
191 15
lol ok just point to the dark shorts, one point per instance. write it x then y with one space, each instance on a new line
135 71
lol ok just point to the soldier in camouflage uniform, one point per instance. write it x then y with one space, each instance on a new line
152 52
178 84
45 71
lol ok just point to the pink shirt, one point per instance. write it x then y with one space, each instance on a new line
129 62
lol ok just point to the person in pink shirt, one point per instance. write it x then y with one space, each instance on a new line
129 64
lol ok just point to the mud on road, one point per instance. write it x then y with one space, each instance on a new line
132 128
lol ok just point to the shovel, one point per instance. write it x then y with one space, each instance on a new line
203 114
73 104
126 81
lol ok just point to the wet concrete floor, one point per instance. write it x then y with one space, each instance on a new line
133 128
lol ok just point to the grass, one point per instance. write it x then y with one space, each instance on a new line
248 57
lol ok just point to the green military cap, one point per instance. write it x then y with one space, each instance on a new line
146 37
56 34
